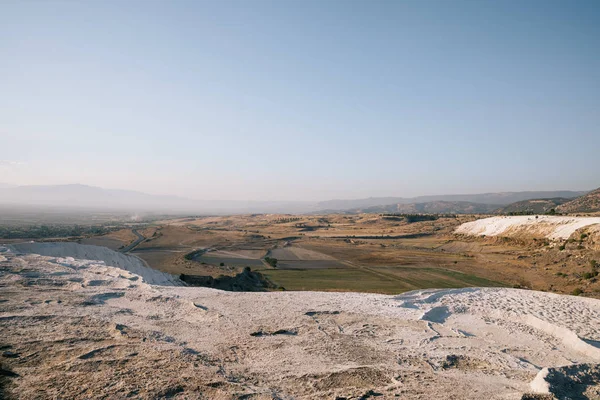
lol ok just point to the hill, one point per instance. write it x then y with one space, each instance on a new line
502 198
534 206
587 203
433 207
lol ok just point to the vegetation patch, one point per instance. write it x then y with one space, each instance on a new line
246 281
271 261
194 254
52 231
410 218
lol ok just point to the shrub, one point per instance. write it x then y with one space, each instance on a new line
561 247
222 264
192 256
523 284
590 275
577 292
271 261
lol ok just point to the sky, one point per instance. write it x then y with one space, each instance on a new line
301 100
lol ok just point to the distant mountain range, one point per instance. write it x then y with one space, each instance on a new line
90 197
95 198
499 199
589 202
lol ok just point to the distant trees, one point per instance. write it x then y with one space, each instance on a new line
594 272
526 212
286 220
194 254
393 218
590 275
410 218
552 211
51 231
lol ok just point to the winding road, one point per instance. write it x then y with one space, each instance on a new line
133 245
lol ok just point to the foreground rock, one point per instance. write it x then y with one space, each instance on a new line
71 251
82 329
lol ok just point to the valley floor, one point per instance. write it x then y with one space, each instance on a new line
376 254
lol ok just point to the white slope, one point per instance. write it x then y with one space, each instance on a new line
86 329
541 226
104 255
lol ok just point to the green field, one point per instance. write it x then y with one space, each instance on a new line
388 280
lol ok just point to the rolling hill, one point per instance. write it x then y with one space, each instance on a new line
500 199
585 204
534 206
433 207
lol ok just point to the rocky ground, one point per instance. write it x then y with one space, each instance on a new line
74 328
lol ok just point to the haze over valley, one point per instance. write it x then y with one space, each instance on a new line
90 197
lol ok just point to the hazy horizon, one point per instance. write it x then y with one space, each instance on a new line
3 185
301 101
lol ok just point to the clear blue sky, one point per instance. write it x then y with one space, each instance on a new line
301 99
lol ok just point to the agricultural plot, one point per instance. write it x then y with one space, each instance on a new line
336 280
384 279
298 253
310 264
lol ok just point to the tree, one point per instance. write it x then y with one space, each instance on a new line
271 261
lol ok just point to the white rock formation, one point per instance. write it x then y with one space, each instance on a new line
541 226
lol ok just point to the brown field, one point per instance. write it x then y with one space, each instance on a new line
106 241
113 240
298 253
